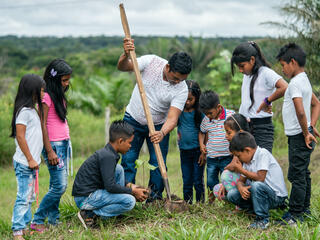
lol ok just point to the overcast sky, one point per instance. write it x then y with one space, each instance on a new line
207 18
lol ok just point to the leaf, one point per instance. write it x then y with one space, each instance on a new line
151 167
138 163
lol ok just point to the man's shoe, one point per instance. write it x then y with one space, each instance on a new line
290 219
88 219
260 224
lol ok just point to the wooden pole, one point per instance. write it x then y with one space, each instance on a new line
144 100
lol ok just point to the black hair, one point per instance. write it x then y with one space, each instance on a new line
243 53
180 62
241 140
120 129
208 100
29 94
195 90
52 75
292 51
237 122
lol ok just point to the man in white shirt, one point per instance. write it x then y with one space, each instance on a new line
267 189
167 93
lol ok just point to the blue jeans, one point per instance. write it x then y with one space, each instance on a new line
107 204
192 174
49 206
141 132
214 167
262 199
22 215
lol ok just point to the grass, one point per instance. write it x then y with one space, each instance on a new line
218 221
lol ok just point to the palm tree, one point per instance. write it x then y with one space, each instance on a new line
303 19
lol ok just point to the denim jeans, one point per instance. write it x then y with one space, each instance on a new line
214 167
49 206
192 174
141 132
262 199
107 204
299 173
25 196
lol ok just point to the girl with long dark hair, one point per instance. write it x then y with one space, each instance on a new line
260 87
192 165
26 129
56 138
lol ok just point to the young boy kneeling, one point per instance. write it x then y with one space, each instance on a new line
99 188
267 189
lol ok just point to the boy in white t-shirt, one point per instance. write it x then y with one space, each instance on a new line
267 189
166 92
299 124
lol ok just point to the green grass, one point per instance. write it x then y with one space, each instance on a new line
218 221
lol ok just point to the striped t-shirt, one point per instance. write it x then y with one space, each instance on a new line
217 144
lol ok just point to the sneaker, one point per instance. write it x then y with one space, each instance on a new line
87 218
290 219
18 235
260 224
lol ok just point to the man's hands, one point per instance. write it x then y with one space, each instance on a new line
157 136
33 164
128 45
309 138
139 193
264 107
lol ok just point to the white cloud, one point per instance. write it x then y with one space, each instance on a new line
166 17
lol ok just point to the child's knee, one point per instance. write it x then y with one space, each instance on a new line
129 202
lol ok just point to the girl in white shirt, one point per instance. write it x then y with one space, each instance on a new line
260 87
26 129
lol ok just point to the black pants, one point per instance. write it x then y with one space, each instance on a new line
299 174
262 129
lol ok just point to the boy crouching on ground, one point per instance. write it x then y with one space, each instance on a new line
99 188
267 189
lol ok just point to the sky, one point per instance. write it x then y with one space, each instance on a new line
206 18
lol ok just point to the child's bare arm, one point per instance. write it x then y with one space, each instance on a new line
315 112
202 142
302 118
255 176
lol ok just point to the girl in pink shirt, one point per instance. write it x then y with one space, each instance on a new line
56 139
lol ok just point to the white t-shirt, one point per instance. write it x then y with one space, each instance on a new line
299 87
30 118
264 86
161 94
263 160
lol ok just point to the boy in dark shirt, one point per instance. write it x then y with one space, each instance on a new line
99 188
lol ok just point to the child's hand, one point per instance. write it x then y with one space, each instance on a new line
237 165
53 158
264 107
139 193
221 193
202 159
203 149
244 192
308 140
33 164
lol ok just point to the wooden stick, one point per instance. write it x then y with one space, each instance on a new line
145 104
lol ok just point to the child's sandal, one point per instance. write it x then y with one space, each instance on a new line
38 227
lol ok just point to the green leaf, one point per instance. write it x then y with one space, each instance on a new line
151 167
138 163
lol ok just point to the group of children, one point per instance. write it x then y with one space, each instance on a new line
236 146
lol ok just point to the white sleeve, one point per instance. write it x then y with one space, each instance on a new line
264 161
294 90
23 117
144 61
271 78
180 99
